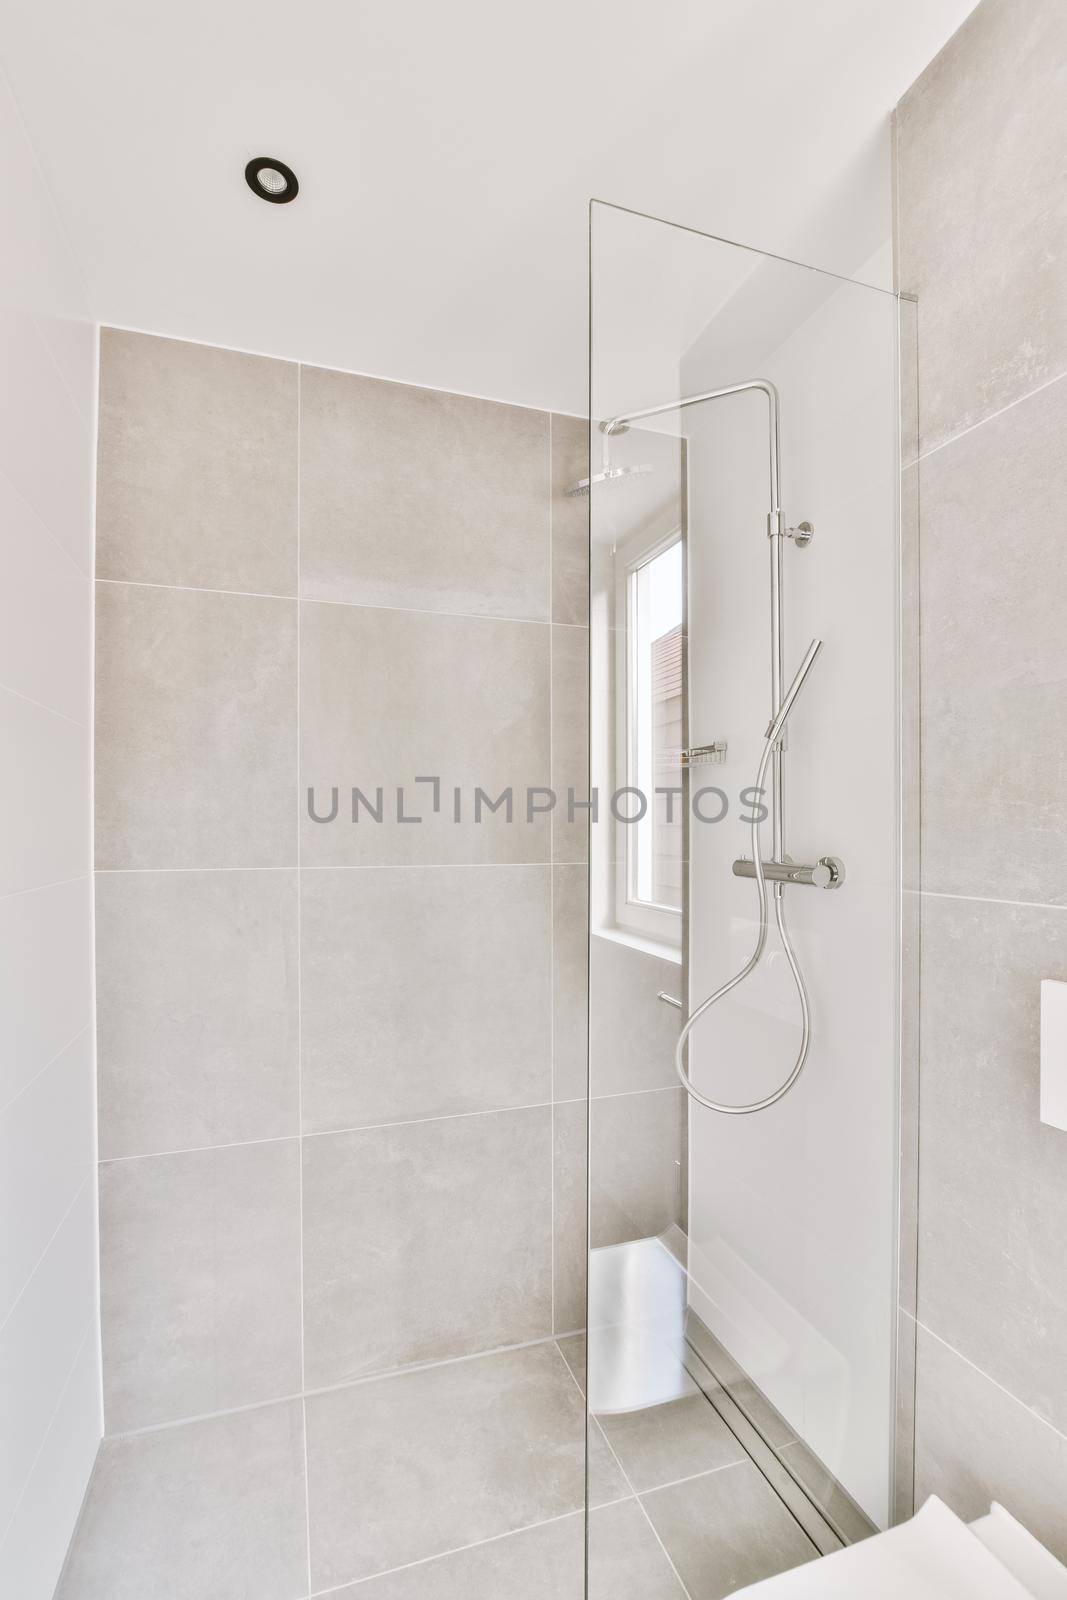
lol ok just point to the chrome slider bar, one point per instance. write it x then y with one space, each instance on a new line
826 873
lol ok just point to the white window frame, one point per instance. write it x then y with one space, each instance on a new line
631 915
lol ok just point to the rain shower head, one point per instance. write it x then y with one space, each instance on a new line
607 475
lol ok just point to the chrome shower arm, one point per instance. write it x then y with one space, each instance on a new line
763 385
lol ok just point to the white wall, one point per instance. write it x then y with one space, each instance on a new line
50 1420
792 1212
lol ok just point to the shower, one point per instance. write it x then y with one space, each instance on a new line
827 872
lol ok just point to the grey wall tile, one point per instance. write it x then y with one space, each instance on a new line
387 696
414 497
633 1033
569 1214
425 1240
570 520
195 729
196 478
426 1461
726 1529
570 742
542 1563
636 1177
570 982
197 1037
976 1444
981 227
203 1510
200 1282
993 1178
994 664
425 991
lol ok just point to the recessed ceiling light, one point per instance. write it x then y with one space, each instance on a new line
272 180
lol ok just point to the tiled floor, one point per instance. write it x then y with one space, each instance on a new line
459 1480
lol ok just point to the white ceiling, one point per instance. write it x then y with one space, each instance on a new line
447 153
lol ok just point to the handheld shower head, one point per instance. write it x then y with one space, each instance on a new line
777 723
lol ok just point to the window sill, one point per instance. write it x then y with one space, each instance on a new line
641 941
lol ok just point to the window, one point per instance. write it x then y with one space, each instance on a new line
649 892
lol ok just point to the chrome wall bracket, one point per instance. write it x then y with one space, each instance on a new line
826 873
704 754
801 535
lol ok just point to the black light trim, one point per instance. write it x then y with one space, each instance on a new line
283 196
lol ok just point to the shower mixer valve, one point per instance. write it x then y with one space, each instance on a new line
826 873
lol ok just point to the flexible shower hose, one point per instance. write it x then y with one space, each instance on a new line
749 967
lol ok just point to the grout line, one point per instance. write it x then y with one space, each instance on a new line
1045 1423
388 1374
1021 400
374 1127
64 1386
345 372
300 993
591 1418
988 900
195 588
362 866
708 1472
42 1070
27 699
322 600
85 574
57 883
48 1245
494 1538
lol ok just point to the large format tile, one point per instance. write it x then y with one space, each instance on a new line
663 1443
726 1529
425 1240
570 520
975 1444
636 1165
626 1560
40 1342
427 1461
204 1511
570 744
195 729
46 993
196 1009
424 992
993 1177
391 696
994 749
546 1562
200 1282
418 498
981 226
46 1156
46 441
633 1032
42 585
44 808
196 479
570 982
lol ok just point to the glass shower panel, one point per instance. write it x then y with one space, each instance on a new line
743 1268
